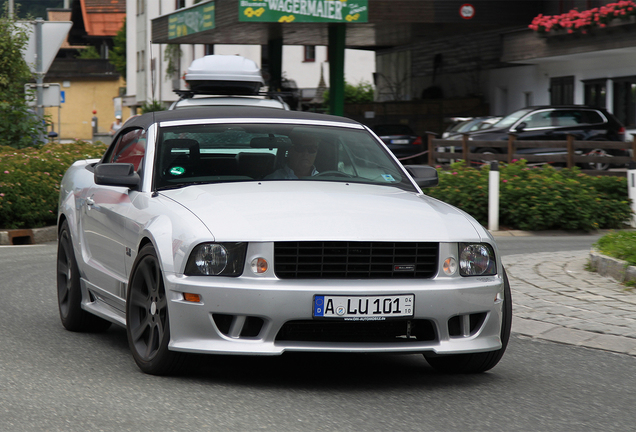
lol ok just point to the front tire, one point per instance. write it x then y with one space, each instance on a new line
147 321
477 362
69 293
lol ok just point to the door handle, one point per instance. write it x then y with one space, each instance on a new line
90 202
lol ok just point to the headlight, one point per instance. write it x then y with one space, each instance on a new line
476 259
217 259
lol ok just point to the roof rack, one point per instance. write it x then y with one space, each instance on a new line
188 94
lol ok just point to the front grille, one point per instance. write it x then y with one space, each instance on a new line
406 331
355 260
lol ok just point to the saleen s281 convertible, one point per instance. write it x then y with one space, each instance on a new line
233 230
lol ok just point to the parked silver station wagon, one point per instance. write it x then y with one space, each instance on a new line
236 230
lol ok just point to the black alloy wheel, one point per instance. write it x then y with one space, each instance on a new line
69 293
147 322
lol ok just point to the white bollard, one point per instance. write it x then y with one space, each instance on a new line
493 197
631 189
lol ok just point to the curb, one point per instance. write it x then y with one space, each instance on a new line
615 268
28 236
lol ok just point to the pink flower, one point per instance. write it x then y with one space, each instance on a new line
6 172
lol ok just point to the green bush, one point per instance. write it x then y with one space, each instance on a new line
621 245
538 198
30 181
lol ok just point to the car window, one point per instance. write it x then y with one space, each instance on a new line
591 117
539 119
511 119
566 118
130 147
264 152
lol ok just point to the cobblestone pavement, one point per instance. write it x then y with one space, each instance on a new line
556 299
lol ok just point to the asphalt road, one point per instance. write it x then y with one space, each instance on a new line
54 380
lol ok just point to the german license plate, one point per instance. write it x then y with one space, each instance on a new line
399 141
364 308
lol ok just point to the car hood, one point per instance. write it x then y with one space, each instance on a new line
313 210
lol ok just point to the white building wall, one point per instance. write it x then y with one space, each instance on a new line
359 64
535 79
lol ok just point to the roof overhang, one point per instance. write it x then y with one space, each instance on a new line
389 22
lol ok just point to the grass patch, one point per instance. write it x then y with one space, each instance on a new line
620 245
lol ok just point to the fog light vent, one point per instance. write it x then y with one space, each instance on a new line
465 325
238 326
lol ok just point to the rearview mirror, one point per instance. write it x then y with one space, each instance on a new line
117 174
424 175
270 142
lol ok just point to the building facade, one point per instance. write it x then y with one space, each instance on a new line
155 70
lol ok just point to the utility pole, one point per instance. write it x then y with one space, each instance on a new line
39 73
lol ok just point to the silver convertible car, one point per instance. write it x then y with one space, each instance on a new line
234 230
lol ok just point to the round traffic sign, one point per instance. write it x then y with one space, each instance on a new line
467 11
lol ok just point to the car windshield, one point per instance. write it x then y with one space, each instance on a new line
511 119
196 154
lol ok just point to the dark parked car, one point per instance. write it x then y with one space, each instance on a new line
555 123
401 140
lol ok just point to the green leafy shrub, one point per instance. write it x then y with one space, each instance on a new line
30 181
538 198
620 245
153 106
359 93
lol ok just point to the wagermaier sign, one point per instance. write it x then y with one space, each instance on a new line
467 11
304 11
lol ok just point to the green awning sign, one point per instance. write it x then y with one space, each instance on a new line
192 20
304 11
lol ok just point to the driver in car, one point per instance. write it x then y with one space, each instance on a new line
300 159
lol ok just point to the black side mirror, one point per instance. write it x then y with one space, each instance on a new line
521 126
117 174
424 175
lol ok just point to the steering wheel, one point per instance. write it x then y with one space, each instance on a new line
333 173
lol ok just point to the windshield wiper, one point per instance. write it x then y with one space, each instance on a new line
182 185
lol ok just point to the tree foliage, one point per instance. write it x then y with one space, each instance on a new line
152 106
359 93
117 56
90 52
20 127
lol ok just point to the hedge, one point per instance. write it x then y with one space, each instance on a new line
538 198
30 181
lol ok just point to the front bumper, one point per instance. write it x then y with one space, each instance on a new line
442 301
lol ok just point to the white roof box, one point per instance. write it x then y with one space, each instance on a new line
224 75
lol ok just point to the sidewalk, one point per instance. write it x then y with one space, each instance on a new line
556 299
